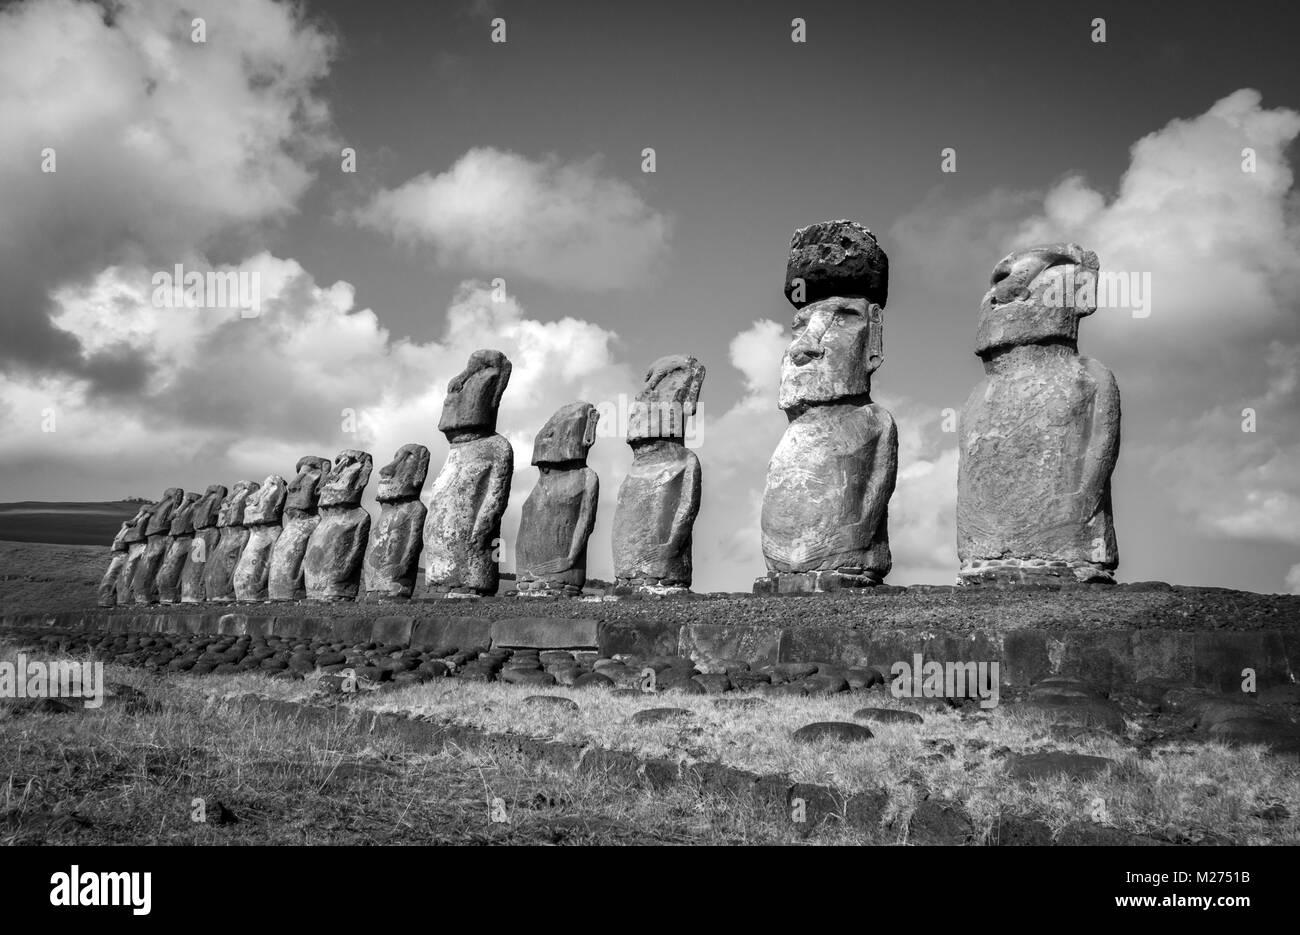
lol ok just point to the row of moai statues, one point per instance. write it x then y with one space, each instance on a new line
311 539
1038 441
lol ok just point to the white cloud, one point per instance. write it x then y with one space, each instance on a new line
501 214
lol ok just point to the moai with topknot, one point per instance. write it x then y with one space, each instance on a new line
558 516
179 537
660 497
219 570
262 518
108 585
393 555
301 517
825 507
337 547
463 529
204 543
1039 436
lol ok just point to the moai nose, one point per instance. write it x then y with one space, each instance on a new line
806 353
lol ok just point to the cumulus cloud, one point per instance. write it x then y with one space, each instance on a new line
499 213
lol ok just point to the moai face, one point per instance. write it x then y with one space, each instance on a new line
160 519
232 508
267 504
402 478
1037 296
347 480
567 436
130 527
474 394
304 490
183 518
670 396
208 507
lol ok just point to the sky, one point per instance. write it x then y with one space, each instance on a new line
500 199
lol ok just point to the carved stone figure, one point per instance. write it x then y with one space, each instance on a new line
262 520
179 537
660 497
136 542
558 516
337 547
144 586
1039 436
203 543
470 493
825 507
301 517
108 585
219 572
393 556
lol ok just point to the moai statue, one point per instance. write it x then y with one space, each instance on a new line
108 586
470 493
219 572
825 507
144 586
301 517
551 555
337 547
179 537
136 543
393 556
660 497
262 520
204 543
1039 436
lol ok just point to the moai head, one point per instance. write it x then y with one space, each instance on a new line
266 506
838 278
132 527
183 517
347 479
304 489
208 507
232 508
402 478
473 396
160 519
669 397
1037 296
567 436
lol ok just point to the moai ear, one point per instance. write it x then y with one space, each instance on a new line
589 433
876 337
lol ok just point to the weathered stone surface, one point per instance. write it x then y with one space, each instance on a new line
1039 436
285 580
393 555
179 537
1041 766
262 517
841 731
204 542
825 507
559 514
108 586
471 491
219 569
660 497
888 716
144 583
337 547
659 715
545 632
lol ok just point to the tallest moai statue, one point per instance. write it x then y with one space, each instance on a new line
825 508
1039 436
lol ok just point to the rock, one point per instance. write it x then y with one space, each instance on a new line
180 536
747 681
862 679
552 701
526 677
686 687
840 731
1039 436
834 258
713 684
336 549
658 715
232 536
728 703
660 496
888 716
285 579
1280 736
1079 712
593 680
559 514
1041 766
568 675
795 670
433 668
207 512
393 555
262 516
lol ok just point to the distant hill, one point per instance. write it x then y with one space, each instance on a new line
65 523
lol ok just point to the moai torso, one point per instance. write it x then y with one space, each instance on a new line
337 547
262 520
560 512
136 542
145 586
463 528
285 580
108 585
179 537
393 555
825 506
219 570
203 543
660 496
1039 436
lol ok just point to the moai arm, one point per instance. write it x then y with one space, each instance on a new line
586 517
876 492
494 501
688 505
1103 444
